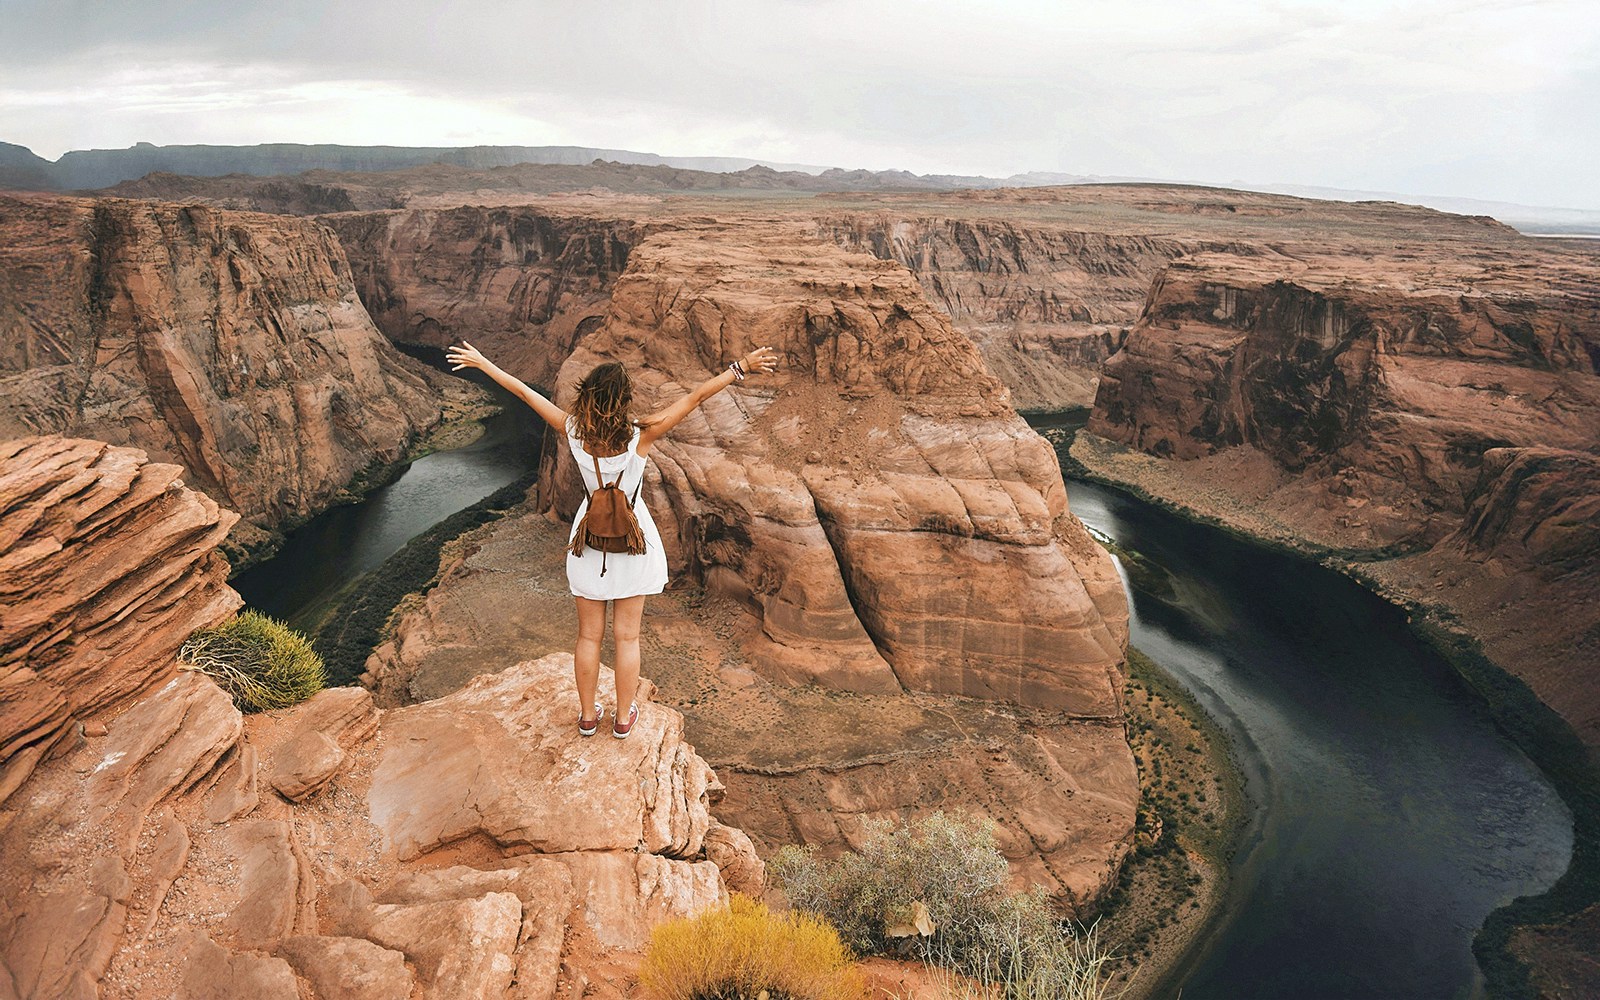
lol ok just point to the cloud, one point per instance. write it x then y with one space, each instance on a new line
1429 94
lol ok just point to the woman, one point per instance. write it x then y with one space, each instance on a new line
604 438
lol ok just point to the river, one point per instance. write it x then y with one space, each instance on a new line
331 550
1389 816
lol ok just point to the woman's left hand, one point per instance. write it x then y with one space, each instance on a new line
465 356
762 361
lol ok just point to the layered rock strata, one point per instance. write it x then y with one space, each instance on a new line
520 283
877 502
1046 305
86 620
230 343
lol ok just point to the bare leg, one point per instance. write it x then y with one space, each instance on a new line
586 660
625 617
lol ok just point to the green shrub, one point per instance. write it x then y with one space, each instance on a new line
259 661
1010 944
746 951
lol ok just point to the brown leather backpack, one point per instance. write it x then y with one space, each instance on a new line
609 523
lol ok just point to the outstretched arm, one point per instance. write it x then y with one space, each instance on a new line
467 356
762 360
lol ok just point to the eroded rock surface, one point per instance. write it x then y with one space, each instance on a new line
107 564
549 848
230 343
1045 303
456 768
1442 409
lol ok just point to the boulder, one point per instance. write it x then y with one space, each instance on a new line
305 763
341 968
211 972
502 759
730 849
461 948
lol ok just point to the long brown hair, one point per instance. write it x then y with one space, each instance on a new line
600 416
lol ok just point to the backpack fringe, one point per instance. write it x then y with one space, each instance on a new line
636 540
634 543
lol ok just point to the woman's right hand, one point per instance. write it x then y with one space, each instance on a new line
465 356
761 361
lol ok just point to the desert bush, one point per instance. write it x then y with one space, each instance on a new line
746 951
261 662
1010 944
1064 966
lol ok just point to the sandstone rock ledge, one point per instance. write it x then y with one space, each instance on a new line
473 846
85 625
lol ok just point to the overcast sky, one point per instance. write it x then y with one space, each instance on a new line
1490 99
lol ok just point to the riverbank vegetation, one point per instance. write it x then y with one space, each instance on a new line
1191 810
937 889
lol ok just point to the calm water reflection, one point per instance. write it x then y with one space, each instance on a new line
334 548
1391 816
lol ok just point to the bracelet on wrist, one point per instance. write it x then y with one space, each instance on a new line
738 371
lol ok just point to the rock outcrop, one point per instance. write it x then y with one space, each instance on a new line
229 343
158 843
807 765
522 284
108 565
459 845
877 501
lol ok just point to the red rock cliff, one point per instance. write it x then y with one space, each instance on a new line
1045 305
232 344
1434 401
520 283
1389 382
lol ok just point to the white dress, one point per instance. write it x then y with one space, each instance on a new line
625 575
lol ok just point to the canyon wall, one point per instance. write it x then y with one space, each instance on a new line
877 501
1384 384
1435 415
1045 304
522 284
231 344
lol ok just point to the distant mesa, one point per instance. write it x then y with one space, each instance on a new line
91 169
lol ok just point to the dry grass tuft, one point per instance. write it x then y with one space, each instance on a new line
746 951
